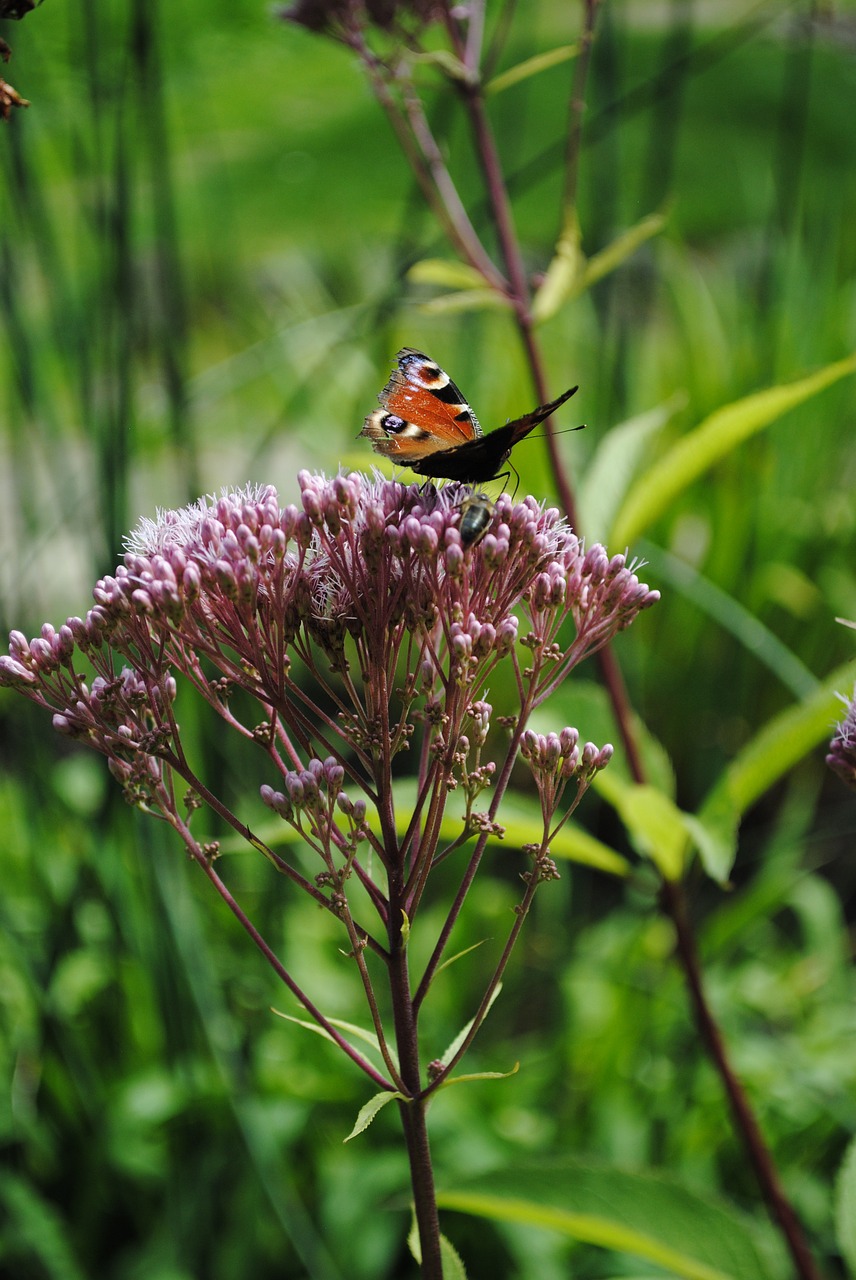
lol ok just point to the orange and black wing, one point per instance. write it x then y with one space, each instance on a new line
423 412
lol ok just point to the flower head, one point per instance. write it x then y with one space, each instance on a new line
366 587
842 748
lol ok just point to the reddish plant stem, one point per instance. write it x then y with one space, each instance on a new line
675 906
519 295
672 897
412 1110
614 682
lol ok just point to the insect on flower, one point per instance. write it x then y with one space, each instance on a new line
476 515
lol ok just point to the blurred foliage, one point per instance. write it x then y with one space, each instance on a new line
205 235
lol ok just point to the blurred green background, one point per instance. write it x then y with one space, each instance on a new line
205 233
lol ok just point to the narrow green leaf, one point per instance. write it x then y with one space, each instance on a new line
453 1267
569 274
521 818
845 1208
350 1028
783 741
729 614
716 843
451 66
465 1030
370 1110
663 832
458 956
586 705
446 273
615 463
621 248
453 1263
359 1033
642 1214
531 67
716 437
480 1075
560 277
483 299
36 1226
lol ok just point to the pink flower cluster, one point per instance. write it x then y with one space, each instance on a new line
842 749
365 579
362 625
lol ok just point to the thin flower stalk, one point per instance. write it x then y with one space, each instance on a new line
360 632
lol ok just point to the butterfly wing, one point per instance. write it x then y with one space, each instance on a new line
423 412
475 461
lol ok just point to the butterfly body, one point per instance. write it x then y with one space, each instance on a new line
427 425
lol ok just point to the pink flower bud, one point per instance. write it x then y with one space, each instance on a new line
454 557
13 673
19 646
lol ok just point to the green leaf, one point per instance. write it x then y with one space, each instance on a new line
616 462
453 1263
845 1208
716 437
445 272
453 1267
531 67
783 741
574 844
569 274
458 956
647 1215
622 247
716 842
34 1224
562 273
471 293
479 1075
351 1028
663 832
370 1110
451 66
731 616
655 825
482 299
587 705
465 1030
520 815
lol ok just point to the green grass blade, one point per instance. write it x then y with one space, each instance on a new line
732 617
642 1214
713 440
531 67
784 741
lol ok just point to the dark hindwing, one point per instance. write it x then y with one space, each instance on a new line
480 459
